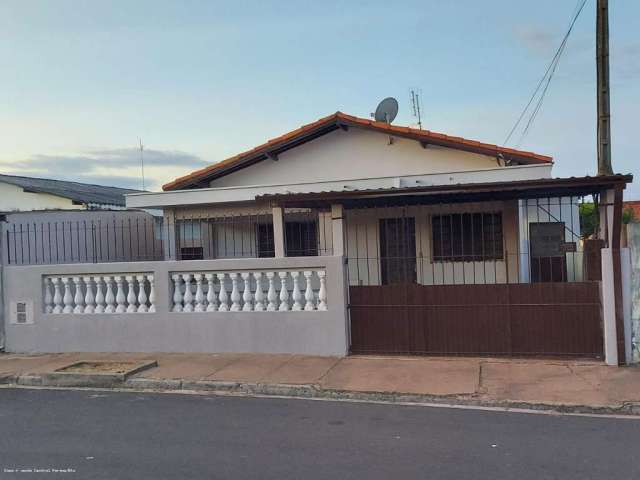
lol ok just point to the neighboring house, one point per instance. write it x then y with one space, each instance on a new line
52 221
354 236
19 193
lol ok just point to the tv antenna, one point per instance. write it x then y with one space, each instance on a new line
386 110
141 160
416 107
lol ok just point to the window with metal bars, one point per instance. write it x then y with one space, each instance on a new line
266 247
467 237
301 238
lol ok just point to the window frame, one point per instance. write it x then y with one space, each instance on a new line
495 255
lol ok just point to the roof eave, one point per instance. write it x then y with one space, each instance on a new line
341 120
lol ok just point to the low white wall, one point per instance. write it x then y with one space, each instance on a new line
305 332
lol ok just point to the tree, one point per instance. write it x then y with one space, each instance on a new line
589 219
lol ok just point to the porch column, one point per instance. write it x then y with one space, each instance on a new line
278 231
612 296
337 229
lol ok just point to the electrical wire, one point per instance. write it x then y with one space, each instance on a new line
545 80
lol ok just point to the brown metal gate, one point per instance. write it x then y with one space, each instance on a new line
538 319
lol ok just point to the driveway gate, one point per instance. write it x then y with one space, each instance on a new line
486 278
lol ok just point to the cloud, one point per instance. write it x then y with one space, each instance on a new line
114 167
114 158
537 40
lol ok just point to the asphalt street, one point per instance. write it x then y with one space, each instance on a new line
112 435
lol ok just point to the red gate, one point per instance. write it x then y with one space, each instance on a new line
539 319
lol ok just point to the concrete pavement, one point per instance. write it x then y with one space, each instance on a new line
479 380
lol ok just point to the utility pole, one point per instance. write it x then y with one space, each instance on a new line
602 63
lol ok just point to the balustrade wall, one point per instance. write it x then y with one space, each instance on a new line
284 305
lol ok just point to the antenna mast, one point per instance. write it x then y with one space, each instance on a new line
415 106
141 161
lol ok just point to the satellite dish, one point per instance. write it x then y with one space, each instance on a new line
387 110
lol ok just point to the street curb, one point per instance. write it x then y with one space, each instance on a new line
311 391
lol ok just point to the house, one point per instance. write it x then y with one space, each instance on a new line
19 193
47 221
354 236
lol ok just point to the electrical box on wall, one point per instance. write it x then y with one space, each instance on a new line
21 312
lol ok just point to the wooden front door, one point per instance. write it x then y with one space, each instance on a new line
398 250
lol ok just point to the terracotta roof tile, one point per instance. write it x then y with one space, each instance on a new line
450 141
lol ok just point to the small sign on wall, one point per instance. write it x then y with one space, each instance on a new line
21 312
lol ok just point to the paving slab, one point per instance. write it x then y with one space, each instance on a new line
620 384
23 364
539 383
301 370
250 368
188 366
408 375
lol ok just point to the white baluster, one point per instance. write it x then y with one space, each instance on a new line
212 304
259 296
235 293
89 298
284 293
131 294
322 294
57 295
78 298
308 293
110 298
188 294
152 293
247 298
142 295
99 295
223 297
296 295
272 298
67 298
199 293
177 292
120 298
48 296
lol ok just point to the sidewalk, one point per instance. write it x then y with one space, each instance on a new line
572 385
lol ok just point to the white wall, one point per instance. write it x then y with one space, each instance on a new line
14 198
355 154
558 209
633 235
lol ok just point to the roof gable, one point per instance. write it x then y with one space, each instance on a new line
272 148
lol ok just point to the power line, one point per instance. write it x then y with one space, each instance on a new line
545 80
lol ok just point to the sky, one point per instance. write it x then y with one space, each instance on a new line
199 81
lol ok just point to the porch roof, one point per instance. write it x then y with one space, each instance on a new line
550 187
